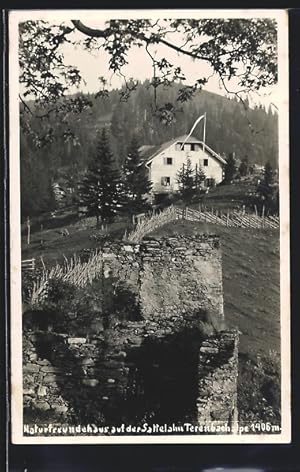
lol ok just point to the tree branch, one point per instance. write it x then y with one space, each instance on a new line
97 33
92 32
26 106
182 51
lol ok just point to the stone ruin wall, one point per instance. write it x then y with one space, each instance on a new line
168 275
218 376
101 367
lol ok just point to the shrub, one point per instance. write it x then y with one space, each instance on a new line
60 295
259 389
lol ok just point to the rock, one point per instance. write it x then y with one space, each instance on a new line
128 248
90 382
119 355
59 408
76 340
49 378
111 381
28 391
52 370
209 350
31 368
87 361
109 255
43 362
44 406
27 399
42 391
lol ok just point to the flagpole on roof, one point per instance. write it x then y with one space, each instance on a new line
192 129
204 131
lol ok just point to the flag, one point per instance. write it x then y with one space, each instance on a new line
193 127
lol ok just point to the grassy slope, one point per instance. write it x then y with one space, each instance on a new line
250 280
56 246
250 273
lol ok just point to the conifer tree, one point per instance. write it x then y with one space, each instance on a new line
101 189
136 182
268 174
267 193
244 167
199 178
186 182
230 168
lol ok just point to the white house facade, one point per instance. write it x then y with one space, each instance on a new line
165 161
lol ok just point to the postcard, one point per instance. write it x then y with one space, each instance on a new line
149 226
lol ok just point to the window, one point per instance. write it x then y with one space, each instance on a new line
210 182
205 162
168 161
166 181
178 147
193 146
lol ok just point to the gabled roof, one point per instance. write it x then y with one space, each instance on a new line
149 152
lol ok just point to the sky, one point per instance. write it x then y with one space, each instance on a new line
93 65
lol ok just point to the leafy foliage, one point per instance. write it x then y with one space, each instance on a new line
242 52
259 389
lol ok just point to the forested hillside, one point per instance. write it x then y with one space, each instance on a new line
231 127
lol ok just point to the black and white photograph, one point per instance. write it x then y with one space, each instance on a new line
149 226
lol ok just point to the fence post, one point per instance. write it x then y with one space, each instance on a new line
227 217
43 263
28 230
263 216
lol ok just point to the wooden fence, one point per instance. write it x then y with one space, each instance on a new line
152 222
28 264
230 218
74 271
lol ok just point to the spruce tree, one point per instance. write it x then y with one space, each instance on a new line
267 193
268 174
101 188
230 168
186 182
199 178
244 167
136 181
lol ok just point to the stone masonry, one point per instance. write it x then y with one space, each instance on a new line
168 275
107 375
